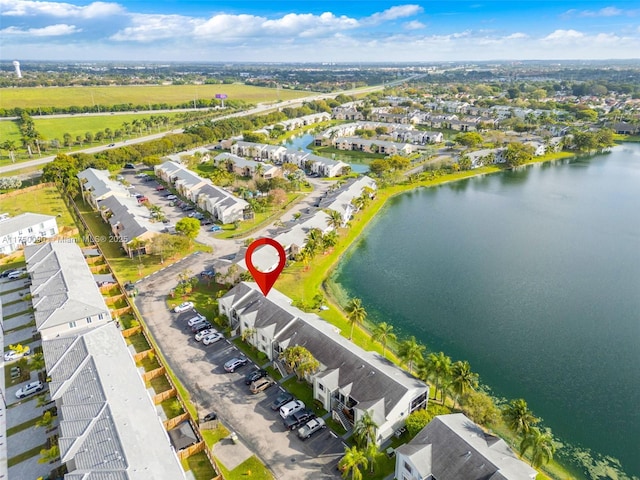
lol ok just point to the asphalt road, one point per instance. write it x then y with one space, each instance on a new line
201 371
262 108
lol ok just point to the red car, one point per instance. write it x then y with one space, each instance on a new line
159 188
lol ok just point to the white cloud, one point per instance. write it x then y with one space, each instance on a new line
393 13
602 13
28 8
49 31
147 28
563 36
516 36
413 25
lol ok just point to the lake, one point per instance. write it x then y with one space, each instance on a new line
533 276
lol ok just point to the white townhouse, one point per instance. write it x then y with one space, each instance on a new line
486 156
25 229
97 186
221 204
65 296
341 199
452 447
203 153
373 146
350 381
259 151
300 122
293 241
247 168
108 425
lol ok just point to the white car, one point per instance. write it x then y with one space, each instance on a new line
30 389
183 307
13 355
16 274
311 427
291 408
170 197
200 335
197 319
212 338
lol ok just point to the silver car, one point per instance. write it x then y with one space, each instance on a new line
311 427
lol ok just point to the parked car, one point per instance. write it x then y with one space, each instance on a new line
201 326
207 273
283 398
290 408
188 208
206 221
311 427
254 375
159 188
195 320
212 338
203 333
183 307
170 197
16 274
196 215
235 363
13 355
261 384
129 166
30 389
215 228
299 418
7 272
209 417
142 199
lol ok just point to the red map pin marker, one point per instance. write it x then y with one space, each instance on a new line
265 280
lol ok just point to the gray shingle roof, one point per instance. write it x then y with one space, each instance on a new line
452 447
22 222
108 422
62 285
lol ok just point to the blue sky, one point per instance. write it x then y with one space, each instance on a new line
310 31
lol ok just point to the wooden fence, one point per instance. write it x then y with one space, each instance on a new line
129 332
173 422
161 397
32 188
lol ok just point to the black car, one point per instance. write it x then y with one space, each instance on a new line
298 418
254 375
201 326
284 397
206 221
188 208
210 417
7 272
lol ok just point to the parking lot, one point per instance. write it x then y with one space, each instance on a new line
201 369
23 439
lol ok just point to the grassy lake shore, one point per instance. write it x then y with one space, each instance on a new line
302 284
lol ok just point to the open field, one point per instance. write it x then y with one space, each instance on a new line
46 200
137 95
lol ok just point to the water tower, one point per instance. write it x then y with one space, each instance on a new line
16 65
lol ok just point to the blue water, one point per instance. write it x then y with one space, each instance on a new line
534 277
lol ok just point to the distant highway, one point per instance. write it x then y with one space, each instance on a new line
261 108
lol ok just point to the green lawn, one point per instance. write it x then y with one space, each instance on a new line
172 407
23 426
138 95
139 342
26 455
254 354
303 391
160 384
251 468
46 201
200 466
211 437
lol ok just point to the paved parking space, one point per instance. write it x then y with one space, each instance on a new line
14 308
19 336
31 469
201 370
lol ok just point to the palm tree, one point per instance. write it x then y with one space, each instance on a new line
541 444
353 459
330 240
438 368
518 417
383 333
462 378
365 431
411 351
335 219
356 314
371 453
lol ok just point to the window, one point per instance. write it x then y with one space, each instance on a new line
320 387
407 467
30 230
72 324
263 338
100 316
89 320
